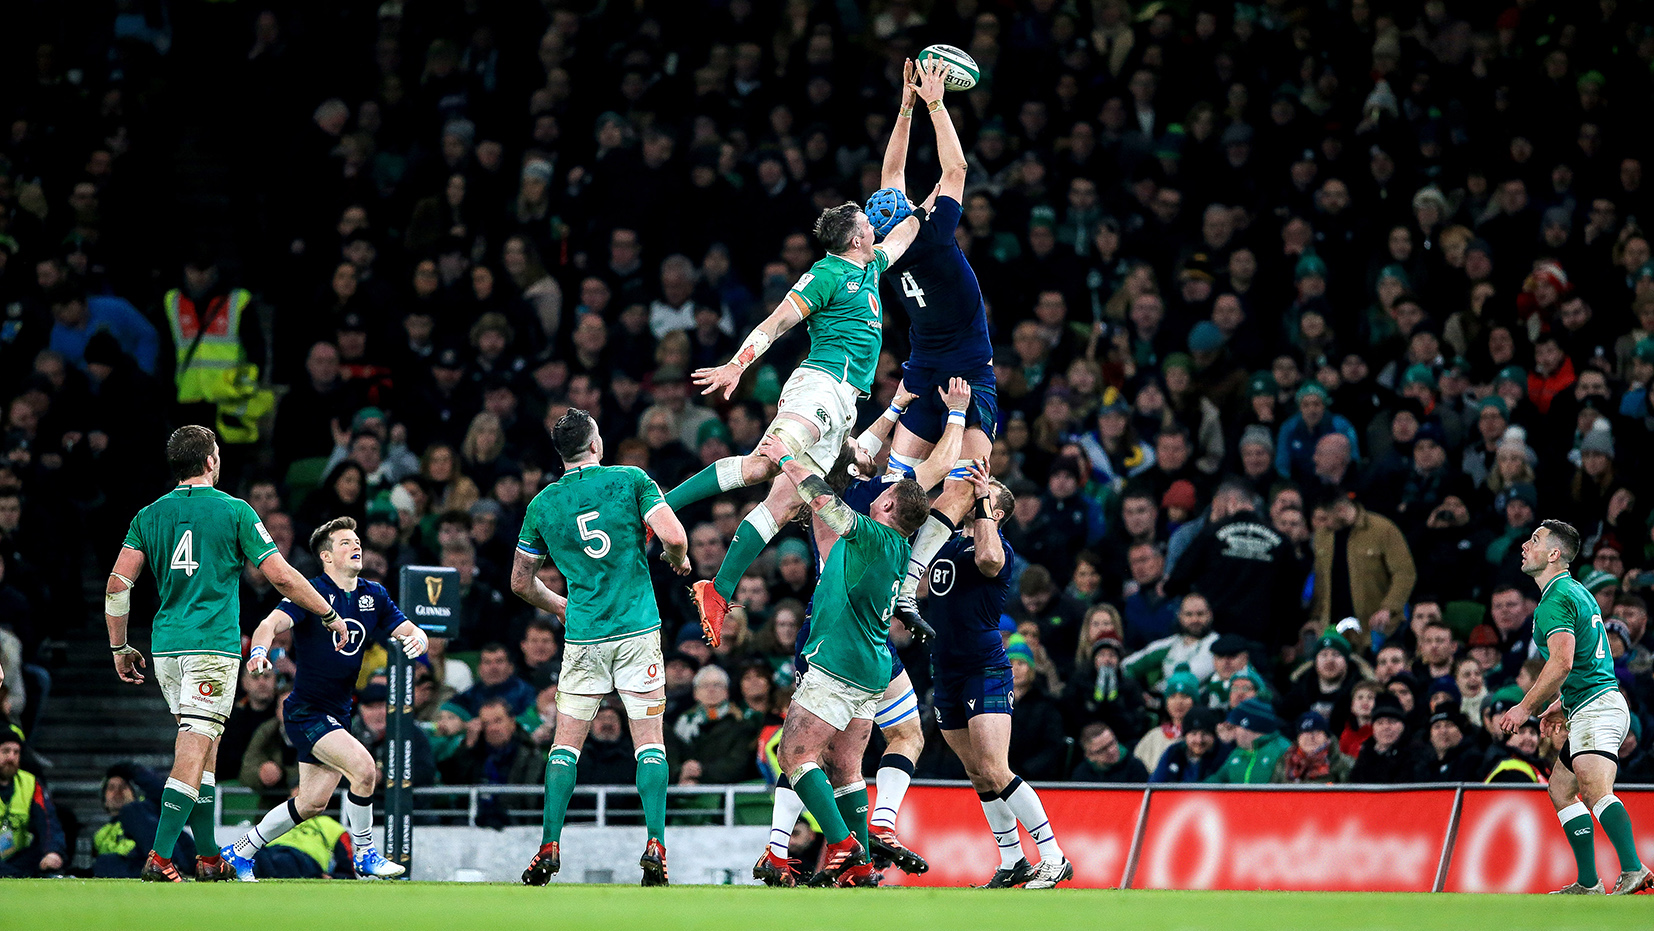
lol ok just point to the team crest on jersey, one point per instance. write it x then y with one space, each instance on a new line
852 286
365 603
821 415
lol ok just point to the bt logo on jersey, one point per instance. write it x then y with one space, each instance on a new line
942 575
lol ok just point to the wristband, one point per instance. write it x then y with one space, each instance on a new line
894 413
118 649
934 105
983 511
920 212
785 460
257 652
957 417
330 617
905 112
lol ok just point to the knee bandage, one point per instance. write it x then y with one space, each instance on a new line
210 728
905 466
580 707
796 436
638 708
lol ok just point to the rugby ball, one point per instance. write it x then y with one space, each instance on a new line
962 70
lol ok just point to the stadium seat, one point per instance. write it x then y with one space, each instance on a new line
303 477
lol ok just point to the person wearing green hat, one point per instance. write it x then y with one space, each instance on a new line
1259 745
1604 587
1295 445
1182 691
1323 684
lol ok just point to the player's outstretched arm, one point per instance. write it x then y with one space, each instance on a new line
895 245
728 376
526 584
117 604
990 550
258 655
674 542
838 516
1547 686
957 396
894 172
949 151
297 589
872 440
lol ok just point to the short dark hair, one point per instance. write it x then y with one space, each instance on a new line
494 646
573 433
321 537
1005 501
188 449
837 226
541 624
912 506
1566 536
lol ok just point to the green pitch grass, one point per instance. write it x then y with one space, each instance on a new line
115 905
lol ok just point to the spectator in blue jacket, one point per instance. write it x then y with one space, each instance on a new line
77 316
1295 447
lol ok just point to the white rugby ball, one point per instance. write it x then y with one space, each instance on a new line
962 70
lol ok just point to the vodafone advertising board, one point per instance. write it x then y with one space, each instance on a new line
1095 828
1332 839
1510 841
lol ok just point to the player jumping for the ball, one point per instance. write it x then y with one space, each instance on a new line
590 523
1591 714
838 301
897 712
316 714
969 583
949 331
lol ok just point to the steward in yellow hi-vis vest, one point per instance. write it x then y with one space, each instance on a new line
211 365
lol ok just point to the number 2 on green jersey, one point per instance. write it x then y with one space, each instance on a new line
588 533
183 555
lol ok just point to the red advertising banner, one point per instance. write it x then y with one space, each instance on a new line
1509 840
1387 841
945 825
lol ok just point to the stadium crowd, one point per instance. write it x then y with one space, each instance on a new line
1306 312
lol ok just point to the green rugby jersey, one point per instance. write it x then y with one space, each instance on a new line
839 301
1567 605
850 613
590 524
195 540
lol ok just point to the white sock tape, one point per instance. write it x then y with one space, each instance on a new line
1572 811
1602 803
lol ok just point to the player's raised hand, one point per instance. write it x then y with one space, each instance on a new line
726 376
258 661
957 395
909 84
931 73
127 661
904 398
977 475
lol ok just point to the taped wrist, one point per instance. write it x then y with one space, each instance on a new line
756 344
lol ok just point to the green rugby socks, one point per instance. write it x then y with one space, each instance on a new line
721 476
852 807
203 816
560 775
811 785
1616 823
651 787
755 533
177 801
1576 823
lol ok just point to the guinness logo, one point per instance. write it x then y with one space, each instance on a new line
433 588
